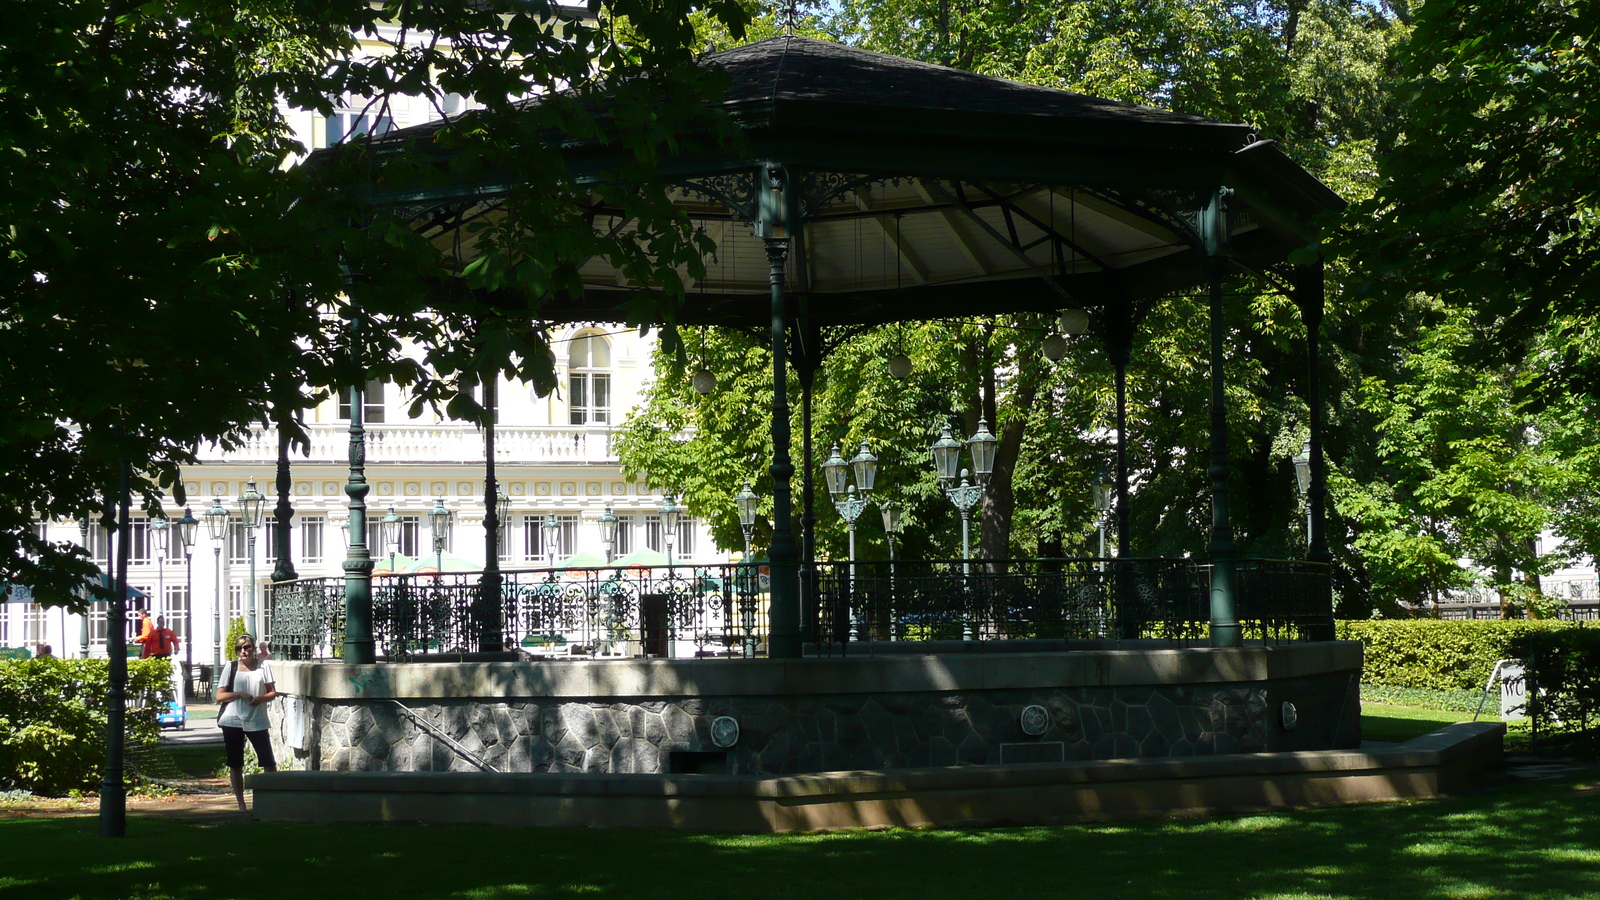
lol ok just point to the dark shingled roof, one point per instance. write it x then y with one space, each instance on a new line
787 69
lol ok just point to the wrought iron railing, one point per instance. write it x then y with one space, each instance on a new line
701 611
678 611
1064 599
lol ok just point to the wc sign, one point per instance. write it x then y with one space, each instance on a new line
1513 678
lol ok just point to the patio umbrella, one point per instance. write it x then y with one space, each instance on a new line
441 562
582 560
402 563
643 558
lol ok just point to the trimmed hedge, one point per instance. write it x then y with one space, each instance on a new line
1436 654
53 719
1563 679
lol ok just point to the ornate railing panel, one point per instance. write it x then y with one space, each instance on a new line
701 611
679 611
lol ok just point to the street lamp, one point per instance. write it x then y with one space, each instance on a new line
551 529
186 527
608 532
217 529
389 533
850 500
1103 489
502 519
161 537
250 508
747 502
670 511
439 523
947 462
1302 477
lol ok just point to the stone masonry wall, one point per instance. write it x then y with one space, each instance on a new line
815 733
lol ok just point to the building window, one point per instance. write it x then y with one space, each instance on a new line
239 545
589 380
235 607
99 612
682 546
311 539
139 542
371 403
177 610
99 544
351 123
534 548
624 536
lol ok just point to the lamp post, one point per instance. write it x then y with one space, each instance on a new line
670 511
747 503
217 529
502 519
83 631
250 508
389 533
947 462
186 527
549 532
850 500
439 524
608 532
894 522
1302 478
1103 489
161 539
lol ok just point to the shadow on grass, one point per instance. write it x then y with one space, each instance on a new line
1518 841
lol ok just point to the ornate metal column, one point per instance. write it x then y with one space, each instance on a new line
778 216
1309 296
1225 630
487 617
808 352
1119 346
359 648
283 569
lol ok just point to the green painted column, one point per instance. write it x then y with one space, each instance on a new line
359 648
488 616
778 215
1225 630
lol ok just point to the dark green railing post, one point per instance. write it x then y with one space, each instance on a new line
359 647
1225 630
489 620
775 225
1310 297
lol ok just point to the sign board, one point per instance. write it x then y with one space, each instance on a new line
15 653
1513 689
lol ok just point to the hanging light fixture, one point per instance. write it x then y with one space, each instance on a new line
703 382
1074 322
900 366
1054 347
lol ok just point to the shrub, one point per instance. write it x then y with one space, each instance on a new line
1563 679
1436 654
53 715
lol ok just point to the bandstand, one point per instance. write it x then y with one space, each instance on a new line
868 190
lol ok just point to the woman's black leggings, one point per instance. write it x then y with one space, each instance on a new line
233 742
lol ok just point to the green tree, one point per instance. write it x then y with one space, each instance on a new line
166 278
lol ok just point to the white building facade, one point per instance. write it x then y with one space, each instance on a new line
554 456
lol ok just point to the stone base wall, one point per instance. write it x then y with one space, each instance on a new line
794 733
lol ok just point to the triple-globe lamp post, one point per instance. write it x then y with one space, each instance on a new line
953 478
850 500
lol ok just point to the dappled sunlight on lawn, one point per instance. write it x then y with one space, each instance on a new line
1540 842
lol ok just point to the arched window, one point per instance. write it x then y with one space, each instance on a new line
589 380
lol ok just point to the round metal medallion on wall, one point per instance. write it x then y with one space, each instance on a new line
1291 716
724 731
1035 720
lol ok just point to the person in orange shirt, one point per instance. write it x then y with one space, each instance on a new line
146 638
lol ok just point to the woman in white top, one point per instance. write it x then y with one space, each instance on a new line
245 713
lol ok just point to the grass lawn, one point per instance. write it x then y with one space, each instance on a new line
1540 842
1387 722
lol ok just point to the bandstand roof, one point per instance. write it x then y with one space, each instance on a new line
929 192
